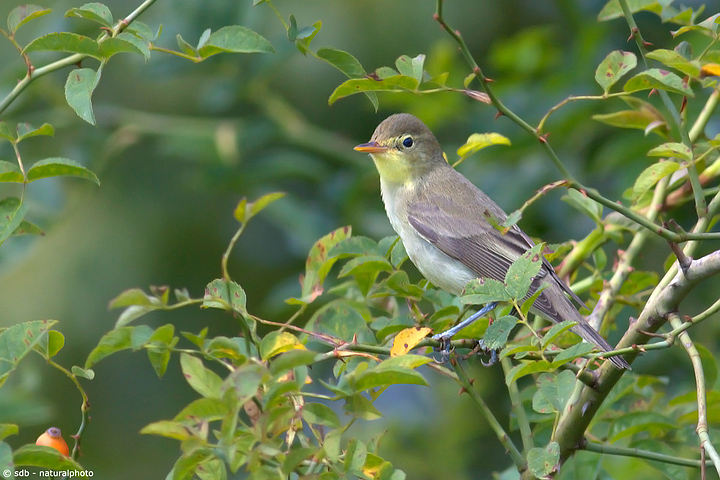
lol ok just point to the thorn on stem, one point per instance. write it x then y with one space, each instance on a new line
498 114
544 137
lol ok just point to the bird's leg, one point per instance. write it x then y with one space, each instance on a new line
445 337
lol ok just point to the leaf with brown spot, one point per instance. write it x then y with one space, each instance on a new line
406 340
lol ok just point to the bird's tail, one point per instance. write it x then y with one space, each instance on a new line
554 305
591 335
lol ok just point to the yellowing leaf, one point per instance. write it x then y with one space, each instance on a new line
711 69
407 339
478 141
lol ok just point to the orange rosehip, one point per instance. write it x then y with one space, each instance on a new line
53 438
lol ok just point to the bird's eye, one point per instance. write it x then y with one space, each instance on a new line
407 142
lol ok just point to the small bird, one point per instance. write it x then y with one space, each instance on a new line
442 220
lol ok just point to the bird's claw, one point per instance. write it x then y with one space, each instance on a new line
445 347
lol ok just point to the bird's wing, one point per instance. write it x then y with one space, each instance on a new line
458 226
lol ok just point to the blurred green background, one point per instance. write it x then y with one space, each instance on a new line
178 144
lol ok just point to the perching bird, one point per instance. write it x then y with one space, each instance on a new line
441 218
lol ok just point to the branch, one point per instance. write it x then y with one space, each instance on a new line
700 205
624 266
577 417
572 182
34 73
702 424
637 453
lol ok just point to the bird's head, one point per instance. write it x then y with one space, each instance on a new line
404 149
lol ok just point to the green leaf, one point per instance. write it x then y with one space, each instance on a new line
208 409
649 423
660 79
343 61
497 332
246 210
341 320
27 228
291 359
348 65
576 351
485 290
96 12
161 341
25 130
672 150
396 370
123 44
646 119
557 330
708 27
320 414
527 368
674 60
6 133
112 342
544 461
651 175
87 373
613 67
44 457
553 391
64 42
613 10
22 14
277 342
318 265
357 85
50 344
6 430
306 35
141 44
56 167
169 429
521 273
411 67
235 39
355 246
9 172
134 296
355 456
244 382
584 204
18 340
478 141
360 407
206 382
12 212
80 84
185 47
220 293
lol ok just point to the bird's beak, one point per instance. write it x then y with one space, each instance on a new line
371 147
